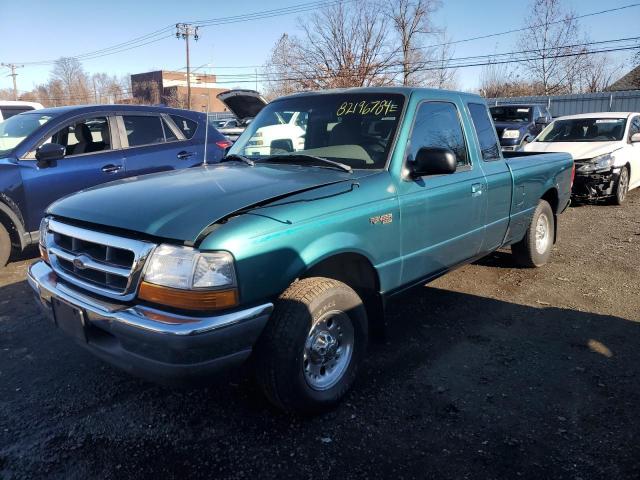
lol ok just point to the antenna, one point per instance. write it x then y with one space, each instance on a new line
206 131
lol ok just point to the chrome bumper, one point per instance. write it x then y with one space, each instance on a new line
154 344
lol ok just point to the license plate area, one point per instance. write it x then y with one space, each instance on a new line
69 319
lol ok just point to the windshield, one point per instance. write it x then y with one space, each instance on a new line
17 128
354 129
511 114
584 130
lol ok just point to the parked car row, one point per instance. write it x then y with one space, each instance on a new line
605 146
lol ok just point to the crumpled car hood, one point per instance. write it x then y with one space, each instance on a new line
579 150
180 205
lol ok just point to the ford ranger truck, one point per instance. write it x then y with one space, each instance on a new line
289 257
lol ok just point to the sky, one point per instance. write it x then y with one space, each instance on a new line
83 26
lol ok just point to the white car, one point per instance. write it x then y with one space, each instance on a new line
282 131
9 108
606 150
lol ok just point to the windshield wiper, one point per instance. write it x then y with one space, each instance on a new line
313 158
238 158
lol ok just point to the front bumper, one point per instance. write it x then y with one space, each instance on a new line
160 346
594 186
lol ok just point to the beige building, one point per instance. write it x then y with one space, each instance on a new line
170 88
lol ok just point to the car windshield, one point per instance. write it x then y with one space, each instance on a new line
511 114
14 130
584 130
354 129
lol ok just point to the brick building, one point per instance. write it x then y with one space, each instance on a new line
170 88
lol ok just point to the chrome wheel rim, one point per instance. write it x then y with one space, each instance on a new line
328 350
623 184
542 233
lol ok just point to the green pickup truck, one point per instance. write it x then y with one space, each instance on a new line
287 253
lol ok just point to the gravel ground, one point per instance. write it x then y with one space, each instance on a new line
489 372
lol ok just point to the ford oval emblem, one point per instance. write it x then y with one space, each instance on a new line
78 263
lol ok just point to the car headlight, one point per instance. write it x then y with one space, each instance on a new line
184 277
42 243
601 162
507 133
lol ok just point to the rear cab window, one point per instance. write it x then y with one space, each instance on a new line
485 131
8 112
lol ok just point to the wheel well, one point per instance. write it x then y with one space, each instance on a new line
11 228
551 196
351 268
356 271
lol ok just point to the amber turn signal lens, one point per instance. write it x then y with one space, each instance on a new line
188 299
44 254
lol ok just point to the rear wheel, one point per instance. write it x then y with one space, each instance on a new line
5 246
308 356
622 187
534 249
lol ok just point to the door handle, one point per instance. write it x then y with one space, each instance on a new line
184 155
111 168
476 189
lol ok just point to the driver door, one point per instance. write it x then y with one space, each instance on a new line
92 156
442 215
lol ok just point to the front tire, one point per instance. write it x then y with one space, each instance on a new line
622 187
308 356
534 249
5 246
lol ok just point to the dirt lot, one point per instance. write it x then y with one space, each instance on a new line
490 372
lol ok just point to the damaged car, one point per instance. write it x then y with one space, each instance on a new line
606 150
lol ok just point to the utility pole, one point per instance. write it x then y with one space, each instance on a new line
12 67
184 31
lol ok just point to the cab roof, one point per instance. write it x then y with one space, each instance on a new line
598 115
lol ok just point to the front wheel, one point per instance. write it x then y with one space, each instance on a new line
534 249
5 246
622 187
308 355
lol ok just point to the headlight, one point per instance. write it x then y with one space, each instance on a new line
184 277
601 162
510 133
44 230
187 268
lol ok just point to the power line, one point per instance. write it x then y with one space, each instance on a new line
161 34
13 74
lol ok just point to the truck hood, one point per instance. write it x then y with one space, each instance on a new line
244 104
579 150
180 205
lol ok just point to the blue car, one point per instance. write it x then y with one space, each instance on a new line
517 125
47 154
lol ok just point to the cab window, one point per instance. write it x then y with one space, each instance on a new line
485 132
437 125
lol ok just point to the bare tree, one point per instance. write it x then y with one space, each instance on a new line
552 35
341 46
278 69
73 79
597 73
498 80
412 22
440 73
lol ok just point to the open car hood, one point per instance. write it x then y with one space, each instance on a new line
244 104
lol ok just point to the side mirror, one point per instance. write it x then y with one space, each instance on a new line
49 152
541 121
433 161
281 145
635 138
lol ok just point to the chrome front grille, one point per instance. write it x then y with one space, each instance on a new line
99 262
